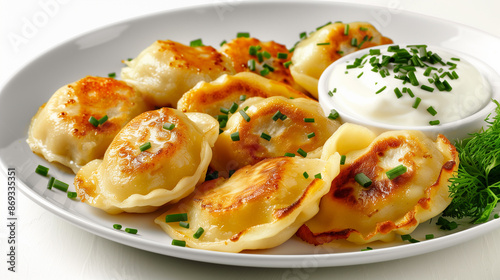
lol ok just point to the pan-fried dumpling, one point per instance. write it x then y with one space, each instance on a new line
387 207
314 54
157 158
61 131
269 59
167 69
272 127
210 97
259 206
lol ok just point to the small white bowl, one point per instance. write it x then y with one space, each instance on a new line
459 129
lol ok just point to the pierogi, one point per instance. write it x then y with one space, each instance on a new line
315 53
211 97
272 127
259 206
165 70
61 131
157 158
386 207
269 59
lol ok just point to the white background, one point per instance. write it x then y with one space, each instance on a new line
51 248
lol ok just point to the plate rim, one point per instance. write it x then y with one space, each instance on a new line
257 260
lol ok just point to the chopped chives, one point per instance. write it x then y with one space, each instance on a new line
455 58
435 122
264 72
252 50
428 70
281 55
333 114
453 65
198 233
112 75
103 119
447 86
367 249
360 74
42 170
221 118
180 217
342 159
93 121
287 64
251 64
51 183
323 44
260 57
427 88
413 78
242 34
407 237
431 110
245 116
311 135
317 176
265 136
374 51
180 243
354 42
233 108
319 27
410 93
417 102
398 93
266 54
429 236
145 146
168 126
277 115
131 230
60 185
346 29
363 180
196 43
305 175
289 155
222 43
71 194
224 110
309 120
117 226
380 90
301 152
396 171
235 136
243 97
268 67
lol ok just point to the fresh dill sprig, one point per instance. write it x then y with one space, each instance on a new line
475 187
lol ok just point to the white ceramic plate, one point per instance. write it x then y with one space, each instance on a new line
101 52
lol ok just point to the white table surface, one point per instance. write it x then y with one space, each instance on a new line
51 248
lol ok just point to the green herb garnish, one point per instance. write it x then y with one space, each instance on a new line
475 187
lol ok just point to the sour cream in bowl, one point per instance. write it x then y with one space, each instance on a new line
417 87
